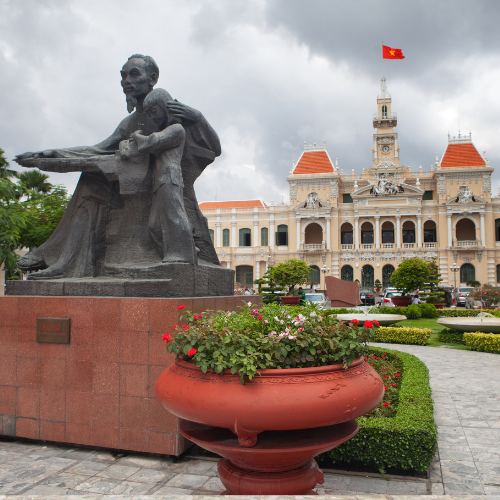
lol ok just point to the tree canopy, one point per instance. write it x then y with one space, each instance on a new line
30 210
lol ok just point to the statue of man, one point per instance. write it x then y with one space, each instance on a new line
77 246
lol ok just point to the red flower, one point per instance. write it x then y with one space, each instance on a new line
393 385
387 376
386 404
368 324
376 322
167 337
175 326
386 387
181 307
192 352
186 328
398 375
355 321
260 317
366 359
195 317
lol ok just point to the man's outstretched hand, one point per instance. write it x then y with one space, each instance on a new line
183 112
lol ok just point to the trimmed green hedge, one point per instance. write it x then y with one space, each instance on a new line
409 440
402 335
484 342
450 336
460 313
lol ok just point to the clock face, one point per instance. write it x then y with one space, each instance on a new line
385 149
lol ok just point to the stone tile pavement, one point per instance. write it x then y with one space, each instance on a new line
466 391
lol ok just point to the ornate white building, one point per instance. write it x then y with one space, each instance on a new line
360 226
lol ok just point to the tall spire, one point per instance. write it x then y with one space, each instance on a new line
383 85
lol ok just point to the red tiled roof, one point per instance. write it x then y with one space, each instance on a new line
231 204
462 155
314 162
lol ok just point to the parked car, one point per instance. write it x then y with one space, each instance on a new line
366 296
461 294
319 299
386 298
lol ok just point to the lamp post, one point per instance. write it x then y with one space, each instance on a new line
455 269
325 270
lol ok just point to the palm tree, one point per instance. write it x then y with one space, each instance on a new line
35 181
5 173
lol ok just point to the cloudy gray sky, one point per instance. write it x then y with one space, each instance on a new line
267 74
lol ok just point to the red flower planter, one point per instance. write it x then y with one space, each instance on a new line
277 400
290 300
401 301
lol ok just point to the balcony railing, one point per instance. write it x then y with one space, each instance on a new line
347 247
408 245
313 246
387 245
366 246
430 245
385 116
472 243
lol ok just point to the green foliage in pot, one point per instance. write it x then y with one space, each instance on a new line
275 336
289 274
378 285
268 288
412 274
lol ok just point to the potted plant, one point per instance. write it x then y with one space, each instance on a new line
378 285
229 365
289 274
488 295
411 274
268 288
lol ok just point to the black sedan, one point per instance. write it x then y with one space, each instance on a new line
366 296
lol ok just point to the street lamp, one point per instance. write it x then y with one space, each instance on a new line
455 269
325 270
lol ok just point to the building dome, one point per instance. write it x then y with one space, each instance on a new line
383 90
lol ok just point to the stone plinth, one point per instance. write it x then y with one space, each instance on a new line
342 293
98 390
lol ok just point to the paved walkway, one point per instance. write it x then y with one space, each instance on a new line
466 391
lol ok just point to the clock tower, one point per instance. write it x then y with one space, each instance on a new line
385 149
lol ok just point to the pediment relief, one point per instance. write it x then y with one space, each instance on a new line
403 190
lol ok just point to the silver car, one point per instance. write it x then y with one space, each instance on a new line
461 294
386 300
318 298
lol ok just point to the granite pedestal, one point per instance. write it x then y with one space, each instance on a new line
98 389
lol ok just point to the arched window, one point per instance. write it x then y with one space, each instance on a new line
244 275
225 237
211 231
366 233
408 232
264 237
367 276
346 235
313 234
498 273
467 273
387 271
387 232
245 238
347 273
497 229
430 231
465 230
282 235
314 274
384 111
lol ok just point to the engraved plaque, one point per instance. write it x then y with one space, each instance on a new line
53 330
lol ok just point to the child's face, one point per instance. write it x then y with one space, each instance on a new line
158 115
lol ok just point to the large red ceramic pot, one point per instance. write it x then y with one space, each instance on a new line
286 399
401 301
290 300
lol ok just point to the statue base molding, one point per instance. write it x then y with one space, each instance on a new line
162 280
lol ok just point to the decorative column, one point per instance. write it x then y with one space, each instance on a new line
450 235
218 225
377 232
256 233
328 237
356 233
233 234
419 231
298 233
483 230
257 269
271 236
398 231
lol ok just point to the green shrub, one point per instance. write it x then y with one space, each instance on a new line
428 311
458 313
392 335
449 336
408 441
484 342
413 312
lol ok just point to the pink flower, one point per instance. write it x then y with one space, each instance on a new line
260 317
301 329
192 352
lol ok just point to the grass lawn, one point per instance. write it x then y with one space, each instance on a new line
433 325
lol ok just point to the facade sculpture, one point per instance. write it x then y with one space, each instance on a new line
134 213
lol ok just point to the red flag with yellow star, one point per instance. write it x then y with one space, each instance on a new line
390 53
